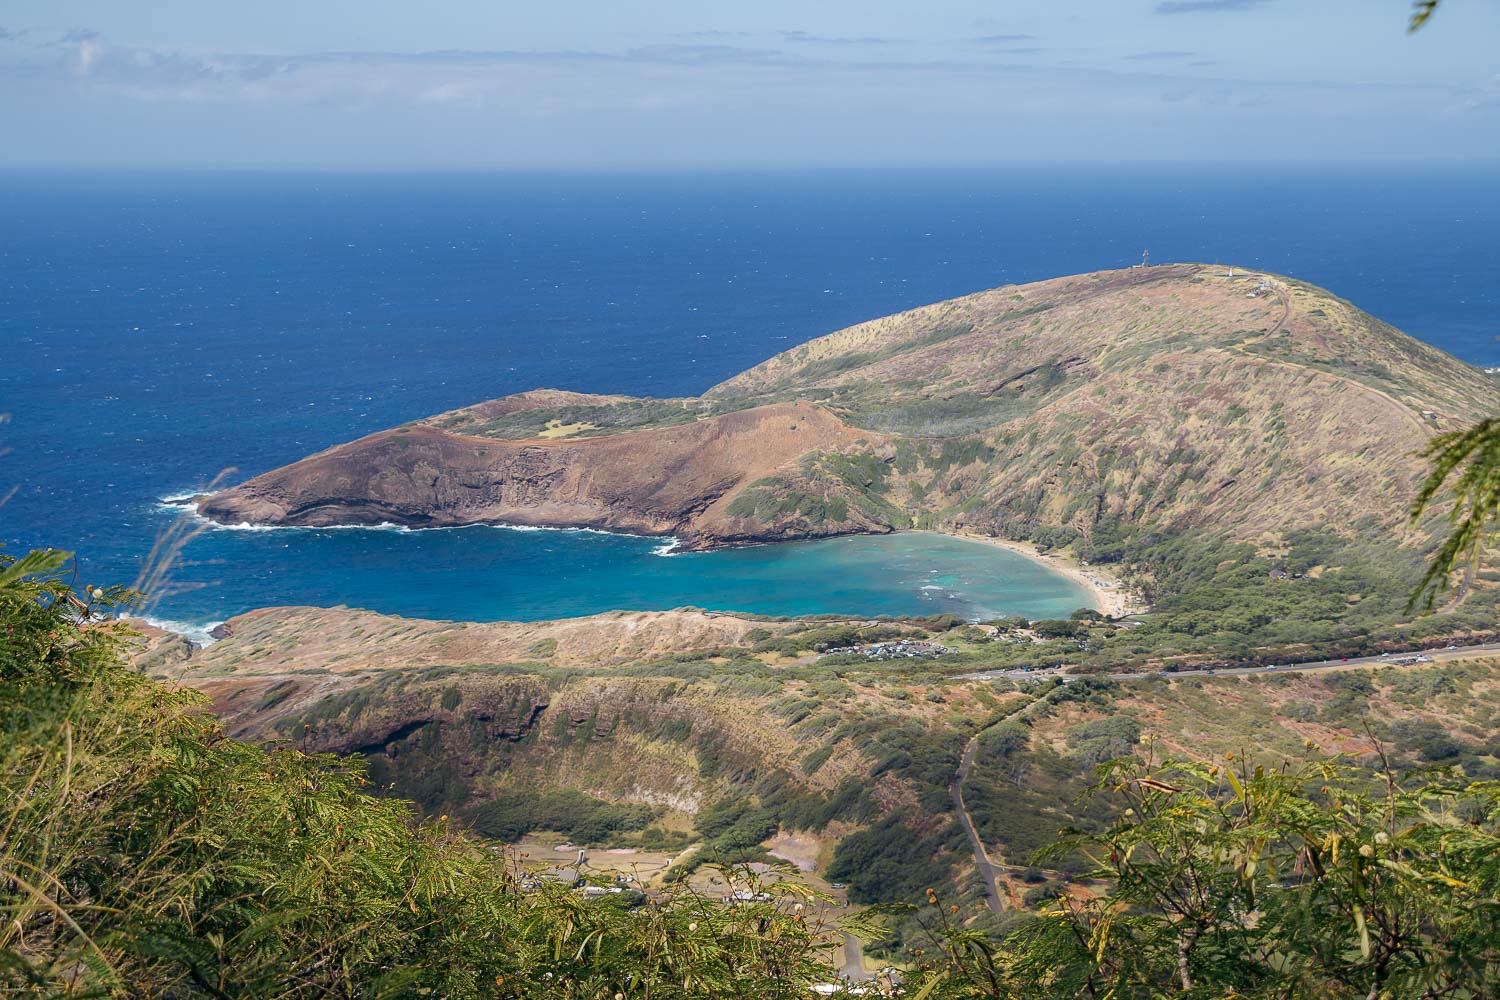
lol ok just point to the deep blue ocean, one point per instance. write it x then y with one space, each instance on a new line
156 328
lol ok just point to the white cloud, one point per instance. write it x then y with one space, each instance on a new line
713 99
658 75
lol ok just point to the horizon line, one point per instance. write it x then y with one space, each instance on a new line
1236 165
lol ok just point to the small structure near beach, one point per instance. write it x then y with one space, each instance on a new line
899 649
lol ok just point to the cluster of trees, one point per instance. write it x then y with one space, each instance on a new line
897 858
770 499
511 815
1320 880
1218 601
731 831
1020 792
825 637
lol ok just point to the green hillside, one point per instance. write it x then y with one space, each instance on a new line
145 854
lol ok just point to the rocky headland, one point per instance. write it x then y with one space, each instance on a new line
1148 399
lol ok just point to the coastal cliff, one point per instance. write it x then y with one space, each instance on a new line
671 480
1094 407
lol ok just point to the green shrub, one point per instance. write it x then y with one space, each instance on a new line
510 816
144 854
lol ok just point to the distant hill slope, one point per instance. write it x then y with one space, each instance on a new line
670 708
698 716
1147 399
1156 396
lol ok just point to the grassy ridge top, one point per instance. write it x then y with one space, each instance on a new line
1172 397
998 344
976 362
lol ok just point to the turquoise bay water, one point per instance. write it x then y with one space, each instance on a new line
488 574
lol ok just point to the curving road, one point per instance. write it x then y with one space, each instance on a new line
1436 655
986 868
982 863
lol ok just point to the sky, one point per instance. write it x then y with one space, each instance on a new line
595 84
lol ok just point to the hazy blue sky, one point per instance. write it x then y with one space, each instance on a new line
590 83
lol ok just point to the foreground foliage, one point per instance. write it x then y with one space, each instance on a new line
1325 880
1467 462
142 854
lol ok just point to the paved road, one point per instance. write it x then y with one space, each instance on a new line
1437 655
982 862
854 960
987 869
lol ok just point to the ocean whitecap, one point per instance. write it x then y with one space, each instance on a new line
196 632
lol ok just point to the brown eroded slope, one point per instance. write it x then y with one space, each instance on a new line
656 481
275 661
642 707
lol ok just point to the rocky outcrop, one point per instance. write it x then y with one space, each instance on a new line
155 649
487 710
676 480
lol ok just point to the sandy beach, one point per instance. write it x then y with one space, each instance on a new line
1110 594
